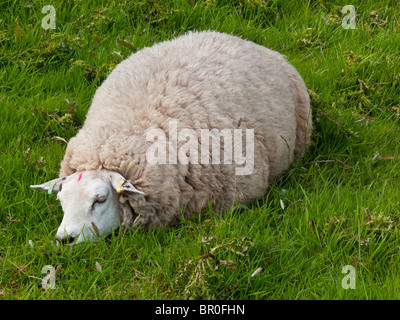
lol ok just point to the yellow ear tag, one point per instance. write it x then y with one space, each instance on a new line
51 186
120 185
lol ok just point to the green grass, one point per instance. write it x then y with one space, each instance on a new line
338 206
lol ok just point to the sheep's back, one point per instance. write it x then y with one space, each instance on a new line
205 80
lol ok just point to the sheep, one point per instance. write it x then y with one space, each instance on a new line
143 156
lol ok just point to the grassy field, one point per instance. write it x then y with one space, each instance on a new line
338 206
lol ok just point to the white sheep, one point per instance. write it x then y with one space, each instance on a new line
147 128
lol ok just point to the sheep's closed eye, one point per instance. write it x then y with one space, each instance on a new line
99 200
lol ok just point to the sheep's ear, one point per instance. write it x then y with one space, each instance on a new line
50 186
123 186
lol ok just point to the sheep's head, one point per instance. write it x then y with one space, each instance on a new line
90 201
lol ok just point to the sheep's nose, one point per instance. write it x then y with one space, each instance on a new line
67 239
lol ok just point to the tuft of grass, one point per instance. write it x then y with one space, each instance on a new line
337 206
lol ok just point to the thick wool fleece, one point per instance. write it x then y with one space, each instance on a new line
204 80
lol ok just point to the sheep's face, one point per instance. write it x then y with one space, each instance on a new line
90 208
90 203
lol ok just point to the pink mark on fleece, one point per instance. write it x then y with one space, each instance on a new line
80 177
